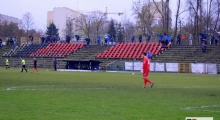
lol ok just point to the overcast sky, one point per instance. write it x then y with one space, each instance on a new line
39 8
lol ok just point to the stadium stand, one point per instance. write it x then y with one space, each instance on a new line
57 50
4 49
213 56
186 54
24 50
124 51
131 50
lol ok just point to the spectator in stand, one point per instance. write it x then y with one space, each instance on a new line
205 39
172 39
202 36
54 39
42 40
15 41
11 41
212 39
109 38
84 40
106 41
178 39
132 39
48 39
190 39
183 38
58 39
140 38
98 40
8 41
203 47
0 42
148 37
160 37
31 38
68 39
88 42
149 55
167 39
216 39
77 38
112 39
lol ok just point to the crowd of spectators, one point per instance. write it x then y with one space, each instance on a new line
164 39
49 39
109 40
10 41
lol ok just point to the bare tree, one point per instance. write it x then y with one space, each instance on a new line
145 15
83 23
177 16
28 22
98 19
217 12
204 17
196 19
69 27
164 12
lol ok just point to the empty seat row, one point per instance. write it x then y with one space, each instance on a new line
25 50
131 50
57 50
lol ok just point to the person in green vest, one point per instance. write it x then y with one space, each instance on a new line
23 65
7 63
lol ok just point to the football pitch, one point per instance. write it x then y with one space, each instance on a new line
52 95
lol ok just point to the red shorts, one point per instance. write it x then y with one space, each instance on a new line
145 74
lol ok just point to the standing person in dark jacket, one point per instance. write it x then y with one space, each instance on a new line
203 47
35 66
160 37
31 39
140 38
55 64
178 39
48 39
216 39
133 38
98 40
77 38
68 39
0 42
42 39
212 39
148 37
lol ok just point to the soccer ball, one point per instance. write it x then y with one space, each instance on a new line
132 73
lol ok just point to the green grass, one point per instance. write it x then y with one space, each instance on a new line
106 96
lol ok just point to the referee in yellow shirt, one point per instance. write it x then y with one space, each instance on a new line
7 63
23 65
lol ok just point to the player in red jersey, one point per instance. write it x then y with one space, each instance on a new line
146 70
